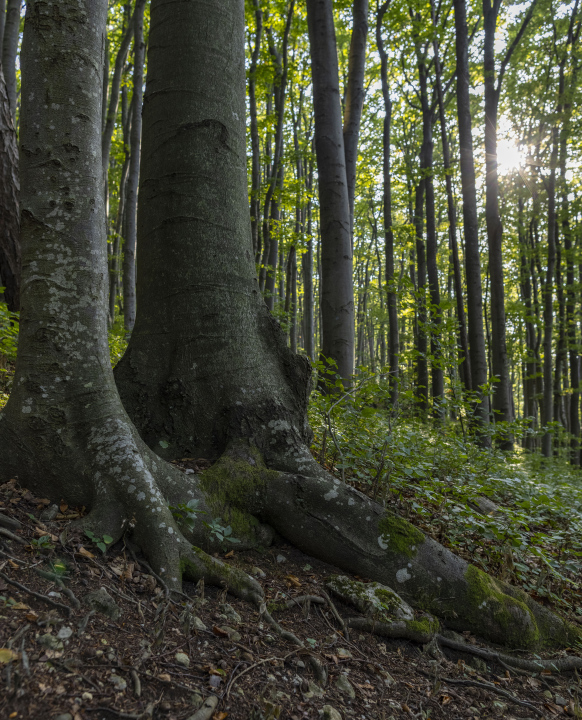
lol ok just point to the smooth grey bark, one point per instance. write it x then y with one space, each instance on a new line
10 51
130 244
337 292
391 296
64 432
10 215
111 109
106 68
470 221
354 99
194 236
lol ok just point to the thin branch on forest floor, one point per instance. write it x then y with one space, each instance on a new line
252 667
44 598
12 536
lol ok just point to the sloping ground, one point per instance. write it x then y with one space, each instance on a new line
159 657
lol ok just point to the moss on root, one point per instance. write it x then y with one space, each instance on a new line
234 489
399 535
489 604
426 625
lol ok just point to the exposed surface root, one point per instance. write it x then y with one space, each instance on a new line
565 663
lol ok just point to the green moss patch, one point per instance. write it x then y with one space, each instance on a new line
399 536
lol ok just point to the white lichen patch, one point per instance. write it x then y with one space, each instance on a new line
403 575
383 541
330 495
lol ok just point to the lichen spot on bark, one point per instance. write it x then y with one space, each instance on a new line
399 536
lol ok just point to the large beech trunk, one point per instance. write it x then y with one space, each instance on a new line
64 432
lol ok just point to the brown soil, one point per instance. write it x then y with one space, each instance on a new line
128 668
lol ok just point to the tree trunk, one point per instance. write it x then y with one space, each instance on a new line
337 292
307 266
422 343
465 364
437 381
10 216
10 51
255 141
391 297
355 97
64 432
2 23
500 362
130 245
111 109
470 221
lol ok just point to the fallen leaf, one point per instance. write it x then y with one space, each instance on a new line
228 555
445 699
7 655
293 580
44 501
219 631
63 507
60 689
85 553
219 716
31 616
164 677
20 606
13 564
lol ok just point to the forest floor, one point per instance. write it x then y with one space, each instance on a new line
144 655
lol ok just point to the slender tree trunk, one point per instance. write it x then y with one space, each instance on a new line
477 352
337 293
307 266
355 97
10 51
111 109
465 365
391 297
422 344
437 381
2 23
10 216
255 141
130 246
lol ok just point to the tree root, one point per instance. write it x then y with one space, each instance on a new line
397 630
566 663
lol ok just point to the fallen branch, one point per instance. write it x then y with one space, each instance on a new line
207 709
44 598
12 536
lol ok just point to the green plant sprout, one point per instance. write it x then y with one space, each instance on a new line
101 542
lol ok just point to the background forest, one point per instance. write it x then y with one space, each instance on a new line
466 230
